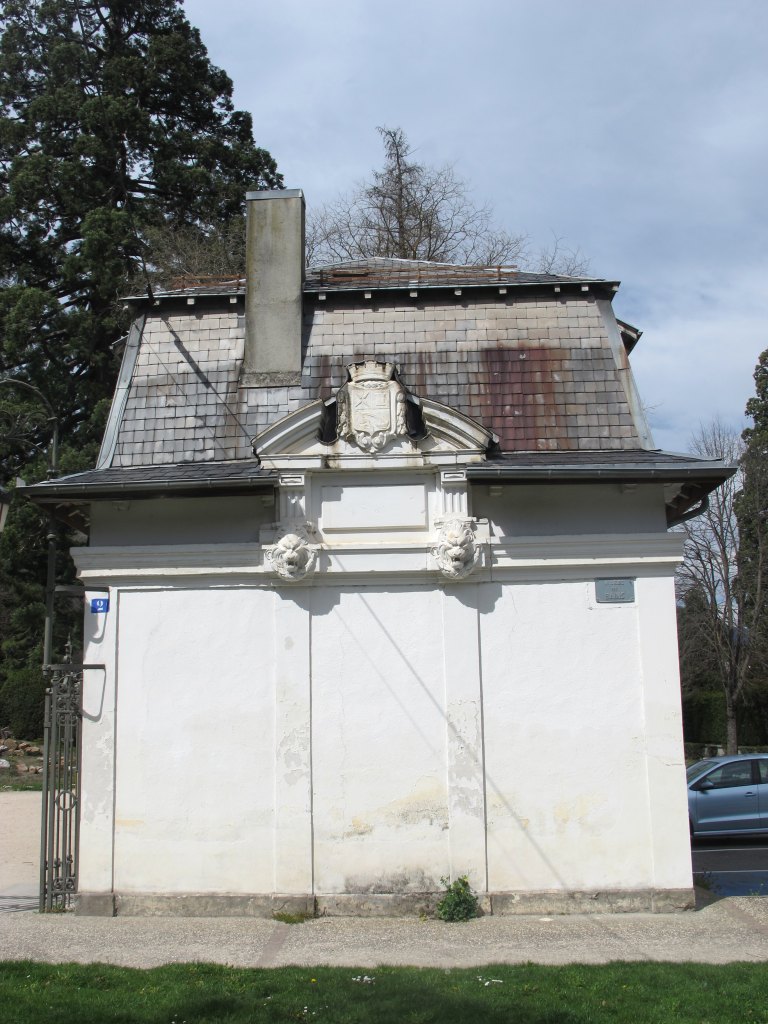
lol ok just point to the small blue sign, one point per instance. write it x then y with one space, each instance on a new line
99 604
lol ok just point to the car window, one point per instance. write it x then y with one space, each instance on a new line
697 769
736 773
763 766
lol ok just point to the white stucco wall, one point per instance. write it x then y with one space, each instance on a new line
379 740
567 758
377 726
191 749
194 745
236 519
527 510
530 510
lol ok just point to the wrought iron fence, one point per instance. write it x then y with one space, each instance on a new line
59 836
60 831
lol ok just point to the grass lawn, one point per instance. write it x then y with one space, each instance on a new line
529 994
13 781
20 783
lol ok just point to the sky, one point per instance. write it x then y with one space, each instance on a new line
633 130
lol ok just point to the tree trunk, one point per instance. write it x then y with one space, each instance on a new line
731 726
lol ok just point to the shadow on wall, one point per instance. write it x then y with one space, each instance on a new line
479 598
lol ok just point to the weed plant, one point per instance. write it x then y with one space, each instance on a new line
459 902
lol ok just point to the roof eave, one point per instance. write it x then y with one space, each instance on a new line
608 288
596 473
192 295
83 493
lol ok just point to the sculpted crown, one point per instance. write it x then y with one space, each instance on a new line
370 370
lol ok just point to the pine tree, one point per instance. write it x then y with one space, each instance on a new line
113 121
113 124
752 512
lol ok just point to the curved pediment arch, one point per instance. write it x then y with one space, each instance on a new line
450 436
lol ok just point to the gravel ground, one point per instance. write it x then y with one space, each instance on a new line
726 930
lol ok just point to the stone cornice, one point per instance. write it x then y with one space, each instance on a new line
498 559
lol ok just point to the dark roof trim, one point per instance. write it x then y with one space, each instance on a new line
187 295
513 467
629 335
319 285
619 472
83 491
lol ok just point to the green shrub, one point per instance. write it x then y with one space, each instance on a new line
22 702
459 902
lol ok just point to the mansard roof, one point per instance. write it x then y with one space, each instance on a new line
538 361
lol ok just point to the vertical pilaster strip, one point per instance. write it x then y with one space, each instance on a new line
293 739
454 494
665 760
464 724
292 491
97 756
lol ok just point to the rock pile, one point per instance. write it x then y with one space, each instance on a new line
18 754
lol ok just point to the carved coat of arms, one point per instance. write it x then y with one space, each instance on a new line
371 406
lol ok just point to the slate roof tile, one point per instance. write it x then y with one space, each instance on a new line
522 360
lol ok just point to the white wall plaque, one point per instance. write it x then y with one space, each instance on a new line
390 506
615 591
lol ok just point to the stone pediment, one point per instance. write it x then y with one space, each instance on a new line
372 420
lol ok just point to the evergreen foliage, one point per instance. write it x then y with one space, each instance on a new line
114 128
752 513
703 707
752 507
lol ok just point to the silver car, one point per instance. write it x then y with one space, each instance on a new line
728 794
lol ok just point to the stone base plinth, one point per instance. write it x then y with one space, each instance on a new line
619 901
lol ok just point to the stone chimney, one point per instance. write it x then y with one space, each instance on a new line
274 267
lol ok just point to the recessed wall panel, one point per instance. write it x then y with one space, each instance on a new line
378 741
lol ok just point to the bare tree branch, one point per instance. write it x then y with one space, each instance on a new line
410 211
183 252
726 626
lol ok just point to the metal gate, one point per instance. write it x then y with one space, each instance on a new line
59 835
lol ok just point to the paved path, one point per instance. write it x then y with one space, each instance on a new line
733 866
19 850
729 929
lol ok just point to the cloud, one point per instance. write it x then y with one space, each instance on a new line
638 131
697 356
